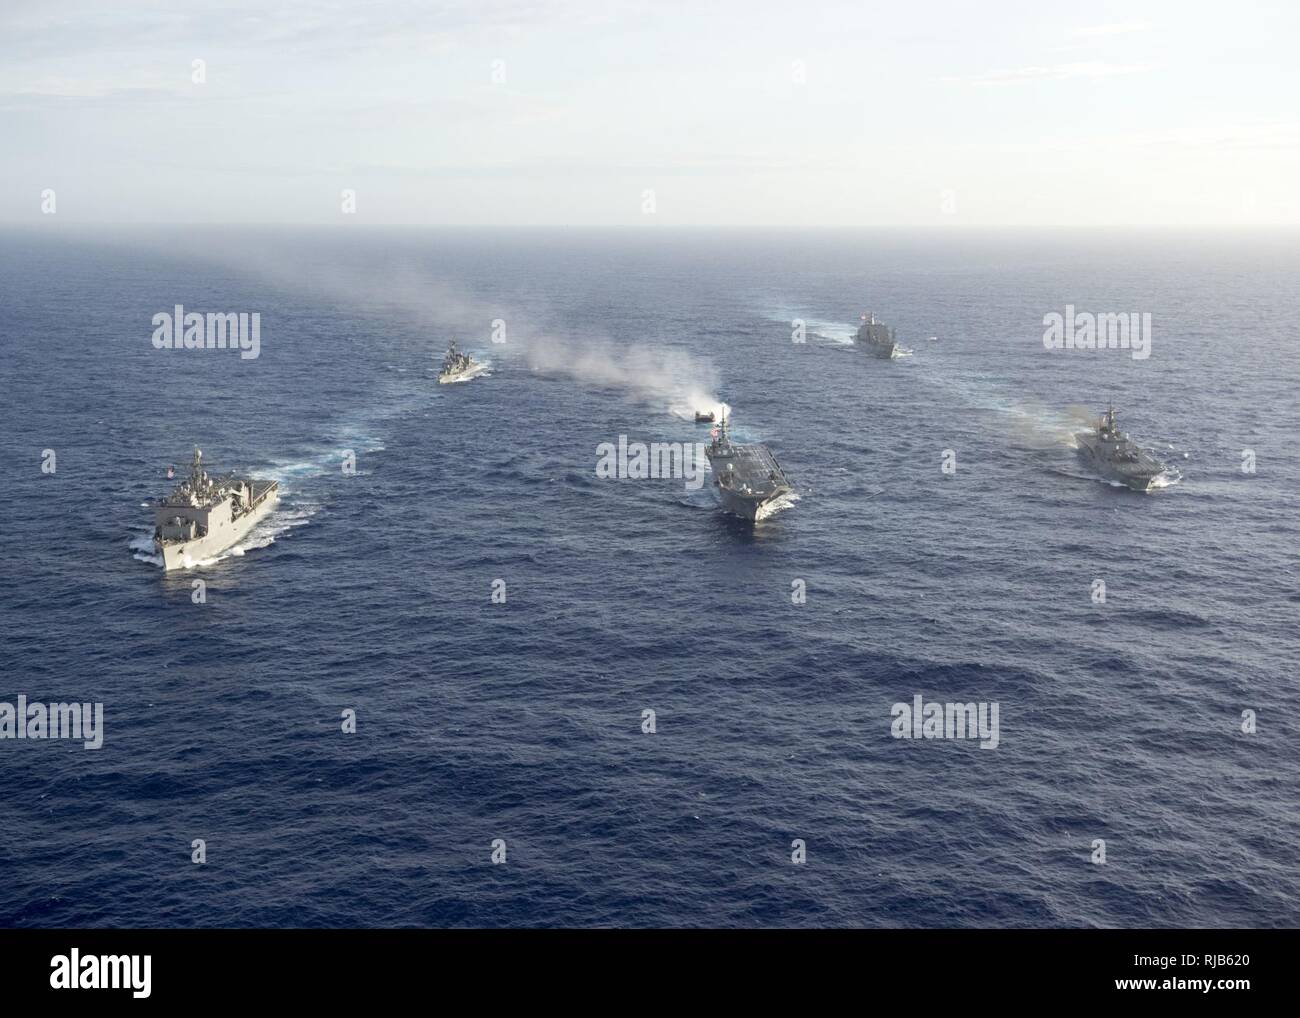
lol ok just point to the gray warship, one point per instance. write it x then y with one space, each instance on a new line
458 367
203 515
1117 457
748 478
877 337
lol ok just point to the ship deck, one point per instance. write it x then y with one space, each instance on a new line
261 489
755 466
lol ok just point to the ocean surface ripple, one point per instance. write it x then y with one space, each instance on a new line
522 721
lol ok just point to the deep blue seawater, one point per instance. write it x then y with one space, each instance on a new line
522 721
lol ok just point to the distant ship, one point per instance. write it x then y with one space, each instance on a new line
1117 457
876 337
704 417
458 367
748 479
203 516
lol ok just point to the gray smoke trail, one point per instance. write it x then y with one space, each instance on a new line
400 291
1033 426
674 378
1083 416
682 383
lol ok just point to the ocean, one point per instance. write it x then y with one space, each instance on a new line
946 543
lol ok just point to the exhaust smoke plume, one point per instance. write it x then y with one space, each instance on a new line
682 383
402 293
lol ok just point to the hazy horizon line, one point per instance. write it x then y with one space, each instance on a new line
35 223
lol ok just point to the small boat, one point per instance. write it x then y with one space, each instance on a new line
704 417
458 367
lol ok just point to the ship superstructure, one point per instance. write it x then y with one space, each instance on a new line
204 515
458 367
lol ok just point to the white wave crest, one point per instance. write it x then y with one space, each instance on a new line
770 509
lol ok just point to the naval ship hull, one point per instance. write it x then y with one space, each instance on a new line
462 376
1139 479
748 508
877 339
183 554
758 483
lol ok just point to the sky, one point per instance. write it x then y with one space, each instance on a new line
630 113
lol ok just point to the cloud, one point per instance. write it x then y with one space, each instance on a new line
1244 136
1204 141
1054 72
1116 28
